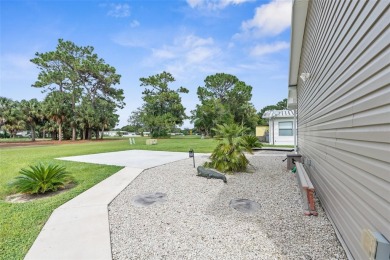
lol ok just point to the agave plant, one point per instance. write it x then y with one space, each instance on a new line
229 155
251 141
41 179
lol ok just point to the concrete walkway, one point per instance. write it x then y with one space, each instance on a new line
79 229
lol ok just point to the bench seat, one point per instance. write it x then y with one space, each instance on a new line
307 190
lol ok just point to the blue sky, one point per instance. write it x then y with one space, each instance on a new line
190 39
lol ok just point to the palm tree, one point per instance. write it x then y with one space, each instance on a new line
231 132
57 106
5 103
229 155
32 114
11 118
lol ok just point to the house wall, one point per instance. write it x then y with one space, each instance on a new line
274 130
344 115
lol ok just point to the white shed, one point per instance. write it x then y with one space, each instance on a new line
281 126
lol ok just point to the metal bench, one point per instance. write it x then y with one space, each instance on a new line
307 190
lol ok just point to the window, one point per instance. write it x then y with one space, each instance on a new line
286 128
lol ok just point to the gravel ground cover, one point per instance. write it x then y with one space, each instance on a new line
195 221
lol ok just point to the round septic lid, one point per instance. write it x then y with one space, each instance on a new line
148 199
244 205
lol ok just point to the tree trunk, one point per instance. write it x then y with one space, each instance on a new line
101 137
97 134
32 133
85 133
73 132
59 131
73 124
53 135
89 135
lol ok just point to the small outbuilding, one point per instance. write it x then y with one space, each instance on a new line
281 126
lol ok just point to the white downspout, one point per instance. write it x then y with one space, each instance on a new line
272 115
295 130
273 131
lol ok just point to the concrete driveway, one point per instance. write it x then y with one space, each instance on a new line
79 229
132 158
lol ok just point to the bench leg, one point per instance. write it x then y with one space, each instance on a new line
311 202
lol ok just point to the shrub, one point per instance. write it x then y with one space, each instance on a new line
251 141
229 155
160 134
228 158
4 135
41 179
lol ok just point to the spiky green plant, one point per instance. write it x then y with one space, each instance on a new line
229 132
41 179
251 141
228 156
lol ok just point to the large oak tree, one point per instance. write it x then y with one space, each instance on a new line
229 92
162 110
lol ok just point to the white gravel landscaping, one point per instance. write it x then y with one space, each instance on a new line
194 220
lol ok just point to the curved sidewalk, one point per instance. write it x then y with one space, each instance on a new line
79 229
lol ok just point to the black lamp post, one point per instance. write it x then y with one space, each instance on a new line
191 154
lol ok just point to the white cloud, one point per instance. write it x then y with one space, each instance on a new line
263 49
14 64
187 53
119 10
134 24
235 2
195 3
200 54
189 48
163 53
214 4
192 41
270 19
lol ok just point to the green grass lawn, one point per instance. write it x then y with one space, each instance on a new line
20 223
15 140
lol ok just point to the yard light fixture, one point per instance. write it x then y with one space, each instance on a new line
305 76
191 154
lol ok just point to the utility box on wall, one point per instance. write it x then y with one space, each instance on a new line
375 245
292 158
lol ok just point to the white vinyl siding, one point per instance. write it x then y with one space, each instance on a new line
344 114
